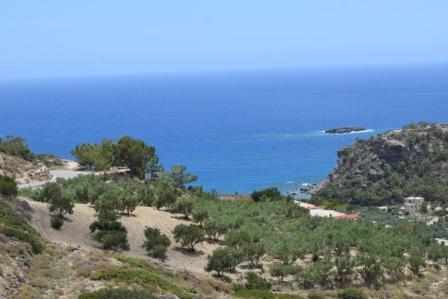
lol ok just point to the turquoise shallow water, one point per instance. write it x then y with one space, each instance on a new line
236 131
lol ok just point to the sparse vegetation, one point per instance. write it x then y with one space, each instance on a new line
267 232
13 225
141 273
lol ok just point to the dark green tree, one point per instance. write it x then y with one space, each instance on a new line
165 199
156 243
135 155
109 231
222 260
269 194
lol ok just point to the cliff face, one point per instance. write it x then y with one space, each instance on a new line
388 167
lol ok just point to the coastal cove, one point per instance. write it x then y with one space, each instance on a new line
237 131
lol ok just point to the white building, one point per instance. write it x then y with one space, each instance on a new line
413 204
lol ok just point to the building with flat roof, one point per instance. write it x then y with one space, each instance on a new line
413 204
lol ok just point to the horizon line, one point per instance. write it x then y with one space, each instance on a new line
168 72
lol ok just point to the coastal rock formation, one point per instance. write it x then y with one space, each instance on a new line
344 130
412 161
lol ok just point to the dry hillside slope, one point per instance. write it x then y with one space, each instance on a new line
76 232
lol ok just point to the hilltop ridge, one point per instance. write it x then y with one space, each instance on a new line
385 168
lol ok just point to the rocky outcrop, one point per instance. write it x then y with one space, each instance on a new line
385 168
23 171
344 130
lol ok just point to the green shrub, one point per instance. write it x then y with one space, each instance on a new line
156 243
222 260
16 146
200 216
351 293
184 206
260 294
269 194
257 282
58 200
188 235
165 199
56 222
25 236
14 225
8 187
316 295
117 294
109 231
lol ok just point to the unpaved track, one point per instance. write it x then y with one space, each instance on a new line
76 232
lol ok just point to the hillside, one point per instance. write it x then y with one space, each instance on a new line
33 267
22 170
386 168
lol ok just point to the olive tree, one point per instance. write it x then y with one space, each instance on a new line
59 203
222 260
188 235
156 243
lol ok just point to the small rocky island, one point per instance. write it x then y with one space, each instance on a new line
344 130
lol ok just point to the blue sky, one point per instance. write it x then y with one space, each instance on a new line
54 38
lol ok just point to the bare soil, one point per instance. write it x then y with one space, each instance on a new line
75 232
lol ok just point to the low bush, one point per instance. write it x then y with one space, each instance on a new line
110 232
117 294
56 222
260 294
8 187
256 282
16 146
315 295
14 225
351 293
156 243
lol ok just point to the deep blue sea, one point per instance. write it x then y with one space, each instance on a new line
238 131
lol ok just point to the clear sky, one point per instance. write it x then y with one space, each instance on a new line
63 38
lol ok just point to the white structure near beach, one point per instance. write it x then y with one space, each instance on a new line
318 211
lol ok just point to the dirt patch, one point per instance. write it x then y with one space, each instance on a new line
75 232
